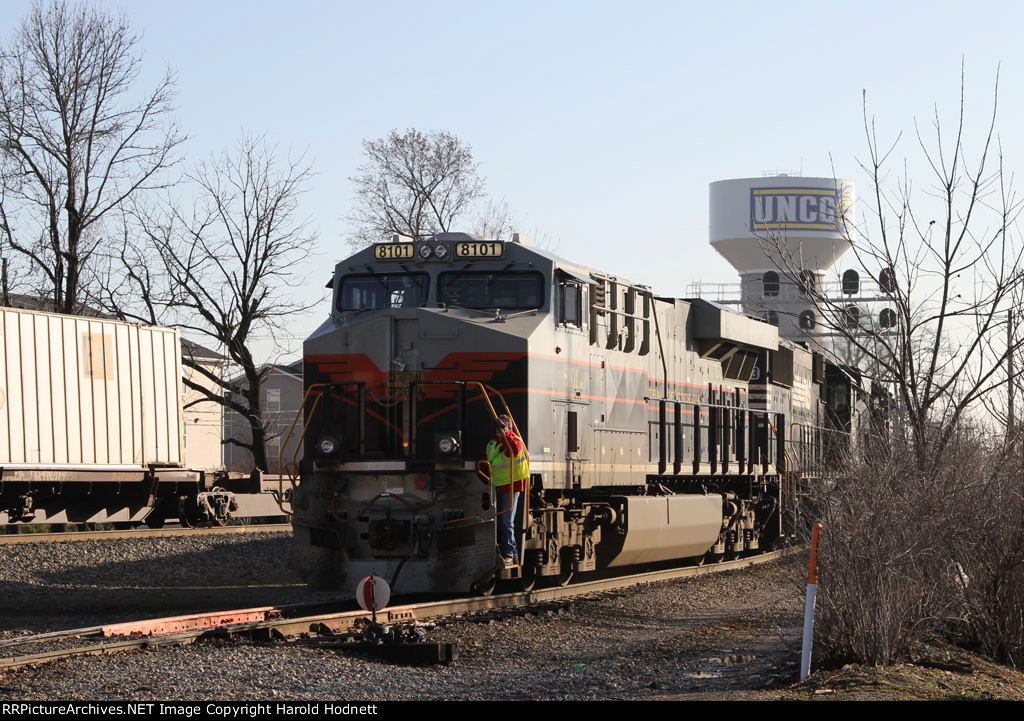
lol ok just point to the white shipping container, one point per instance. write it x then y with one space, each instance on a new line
78 391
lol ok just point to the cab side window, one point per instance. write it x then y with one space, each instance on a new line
572 295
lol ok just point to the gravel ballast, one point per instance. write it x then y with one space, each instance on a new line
723 633
123 578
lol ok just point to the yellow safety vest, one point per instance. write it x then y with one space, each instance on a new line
503 470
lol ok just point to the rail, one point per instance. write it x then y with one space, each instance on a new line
319 619
9 539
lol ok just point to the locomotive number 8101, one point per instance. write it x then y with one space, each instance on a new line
648 441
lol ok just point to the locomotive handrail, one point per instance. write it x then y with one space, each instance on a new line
508 448
798 463
789 459
745 447
794 427
292 467
819 447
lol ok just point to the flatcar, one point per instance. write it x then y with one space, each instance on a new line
657 428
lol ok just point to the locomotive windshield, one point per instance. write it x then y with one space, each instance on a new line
508 291
383 290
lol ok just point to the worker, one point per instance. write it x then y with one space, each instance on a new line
508 477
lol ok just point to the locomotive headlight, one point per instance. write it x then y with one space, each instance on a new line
447 445
440 251
423 250
327 445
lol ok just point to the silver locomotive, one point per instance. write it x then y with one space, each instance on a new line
657 428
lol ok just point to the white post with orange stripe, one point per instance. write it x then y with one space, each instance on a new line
812 592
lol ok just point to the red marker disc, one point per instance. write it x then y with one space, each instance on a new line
373 593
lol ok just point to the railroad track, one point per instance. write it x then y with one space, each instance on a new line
72 536
330 619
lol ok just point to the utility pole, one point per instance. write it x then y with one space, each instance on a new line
1010 378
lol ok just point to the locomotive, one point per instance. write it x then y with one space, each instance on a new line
657 428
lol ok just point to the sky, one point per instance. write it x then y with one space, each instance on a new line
600 123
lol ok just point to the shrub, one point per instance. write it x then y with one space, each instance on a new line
910 552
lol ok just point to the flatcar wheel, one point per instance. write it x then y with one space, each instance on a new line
155 520
190 519
188 514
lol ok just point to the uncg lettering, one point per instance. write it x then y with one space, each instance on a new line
790 208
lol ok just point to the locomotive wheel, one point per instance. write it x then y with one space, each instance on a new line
710 559
528 580
486 588
564 578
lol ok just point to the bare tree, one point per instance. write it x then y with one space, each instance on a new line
75 142
1004 407
414 184
224 268
918 521
948 265
494 219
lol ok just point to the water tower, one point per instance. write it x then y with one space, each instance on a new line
782 233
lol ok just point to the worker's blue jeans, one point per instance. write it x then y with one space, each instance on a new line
507 521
